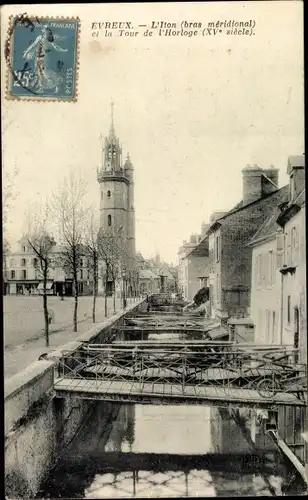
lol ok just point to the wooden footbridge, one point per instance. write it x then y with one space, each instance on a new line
185 369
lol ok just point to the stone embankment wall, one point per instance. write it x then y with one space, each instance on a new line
38 425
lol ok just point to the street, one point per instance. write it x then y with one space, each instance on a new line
24 326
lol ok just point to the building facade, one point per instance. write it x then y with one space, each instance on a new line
24 276
117 213
193 264
278 291
278 280
266 300
230 258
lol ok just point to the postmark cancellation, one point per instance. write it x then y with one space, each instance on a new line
42 56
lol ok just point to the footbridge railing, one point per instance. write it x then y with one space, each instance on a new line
265 370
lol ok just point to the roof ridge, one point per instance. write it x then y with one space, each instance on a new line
249 204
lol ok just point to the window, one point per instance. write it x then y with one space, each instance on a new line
288 249
35 262
294 246
258 270
108 193
24 274
23 262
81 274
12 274
217 248
12 262
109 220
279 249
291 187
289 309
264 268
271 270
23 248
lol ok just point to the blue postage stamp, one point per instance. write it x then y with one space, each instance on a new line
42 57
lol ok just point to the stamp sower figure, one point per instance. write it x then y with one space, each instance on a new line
40 50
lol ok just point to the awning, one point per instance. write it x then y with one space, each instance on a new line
48 285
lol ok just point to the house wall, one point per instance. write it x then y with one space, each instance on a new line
294 285
265 308
196 267
214 274
234 272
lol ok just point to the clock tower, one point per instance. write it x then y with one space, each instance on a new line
116 180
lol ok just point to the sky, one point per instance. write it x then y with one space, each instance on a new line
192 113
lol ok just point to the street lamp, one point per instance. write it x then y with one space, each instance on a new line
123 280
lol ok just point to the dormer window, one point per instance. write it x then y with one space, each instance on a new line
291 187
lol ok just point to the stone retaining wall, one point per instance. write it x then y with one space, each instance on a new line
36 423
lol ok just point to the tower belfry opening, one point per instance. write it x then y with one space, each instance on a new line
117 213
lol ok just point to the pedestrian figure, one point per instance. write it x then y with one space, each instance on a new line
51 316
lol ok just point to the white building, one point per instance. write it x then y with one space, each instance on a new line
192 265
24 276
278 282
265 306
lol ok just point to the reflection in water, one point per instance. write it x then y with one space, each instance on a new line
159 451
151 484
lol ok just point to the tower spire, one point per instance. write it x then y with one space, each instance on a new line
112 131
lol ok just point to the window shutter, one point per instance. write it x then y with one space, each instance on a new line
295 246
289 249
279 248
257 272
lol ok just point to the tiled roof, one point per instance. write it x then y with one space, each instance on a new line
270 226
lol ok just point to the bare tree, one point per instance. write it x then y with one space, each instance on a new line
42 243
92 254
112 254
70 215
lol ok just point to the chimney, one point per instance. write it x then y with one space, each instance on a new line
193 238
296 171
258 182
252 183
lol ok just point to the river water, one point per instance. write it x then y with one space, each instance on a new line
162 451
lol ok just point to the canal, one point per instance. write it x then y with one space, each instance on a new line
164 451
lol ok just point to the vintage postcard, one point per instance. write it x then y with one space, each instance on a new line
154 253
